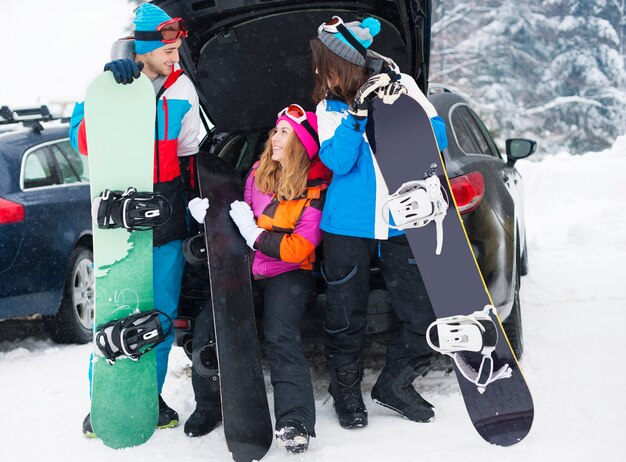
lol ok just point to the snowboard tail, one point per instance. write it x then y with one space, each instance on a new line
406 150
245 411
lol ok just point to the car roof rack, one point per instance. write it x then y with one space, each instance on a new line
29 117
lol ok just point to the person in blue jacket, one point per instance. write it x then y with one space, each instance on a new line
348 75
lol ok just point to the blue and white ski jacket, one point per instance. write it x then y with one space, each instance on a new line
358 191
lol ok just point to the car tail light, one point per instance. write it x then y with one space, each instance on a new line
468 191
183 324
11 212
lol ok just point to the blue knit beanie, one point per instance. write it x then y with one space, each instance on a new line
363 32
147 19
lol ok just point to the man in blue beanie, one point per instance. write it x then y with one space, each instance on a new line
154 51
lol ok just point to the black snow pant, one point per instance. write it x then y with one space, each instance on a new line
346 269
282 301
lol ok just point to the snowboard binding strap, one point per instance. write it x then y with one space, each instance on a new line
132 336
417 203
459 336
132 210
194 250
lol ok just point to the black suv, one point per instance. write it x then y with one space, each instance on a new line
249 58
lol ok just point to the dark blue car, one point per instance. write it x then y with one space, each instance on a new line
45 226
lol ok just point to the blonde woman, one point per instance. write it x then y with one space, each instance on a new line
279 219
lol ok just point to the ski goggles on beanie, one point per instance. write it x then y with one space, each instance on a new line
167 32
304 125
331 25
349 40
154 28
295 112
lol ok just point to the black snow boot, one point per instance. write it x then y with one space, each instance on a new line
394 389
345 388
206 387
168 417
87 428
202 422
293 436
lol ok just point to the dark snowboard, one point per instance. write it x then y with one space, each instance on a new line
245 410
405 147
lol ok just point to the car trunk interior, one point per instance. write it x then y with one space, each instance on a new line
249 59
253 70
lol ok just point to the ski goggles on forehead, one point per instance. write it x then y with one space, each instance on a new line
295 112
167 32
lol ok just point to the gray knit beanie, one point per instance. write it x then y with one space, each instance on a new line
363 32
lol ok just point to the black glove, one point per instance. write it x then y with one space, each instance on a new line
384 85
124 70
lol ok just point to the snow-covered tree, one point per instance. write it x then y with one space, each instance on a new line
552 70
586 73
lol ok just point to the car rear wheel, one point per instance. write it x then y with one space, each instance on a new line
74 320
513 324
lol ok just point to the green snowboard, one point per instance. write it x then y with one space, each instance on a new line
120 136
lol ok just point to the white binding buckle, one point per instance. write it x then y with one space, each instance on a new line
476 333
417 203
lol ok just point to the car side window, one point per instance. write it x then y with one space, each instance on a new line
493 149
468 133
38 170
73 166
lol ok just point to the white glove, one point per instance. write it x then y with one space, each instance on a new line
391 92
198 208
359 107
242 215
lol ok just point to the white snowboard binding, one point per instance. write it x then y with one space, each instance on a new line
475 333
417 203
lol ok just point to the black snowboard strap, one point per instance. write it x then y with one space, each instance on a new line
194 250
343 30
132 336
132 210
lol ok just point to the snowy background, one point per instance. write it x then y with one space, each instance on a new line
549 69
574 305
56 47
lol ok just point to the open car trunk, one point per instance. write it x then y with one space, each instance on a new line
250 58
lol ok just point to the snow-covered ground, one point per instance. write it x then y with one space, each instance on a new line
574 309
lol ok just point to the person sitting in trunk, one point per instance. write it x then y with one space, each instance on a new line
279 219
348 75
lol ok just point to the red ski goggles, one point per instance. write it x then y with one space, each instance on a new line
295 112
331 25
167 32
